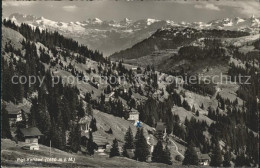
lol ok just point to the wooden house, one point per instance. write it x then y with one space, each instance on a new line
204 159
84 124
15 116
133 115
30 137
100 141
160 129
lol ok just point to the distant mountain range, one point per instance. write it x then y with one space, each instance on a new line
112 36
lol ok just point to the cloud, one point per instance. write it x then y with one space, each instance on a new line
243 7
70 8
247 8
16 3
207 6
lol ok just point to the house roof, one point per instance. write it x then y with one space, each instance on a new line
133 111
33 131
204 157
160 126
14 109
13 112
85 120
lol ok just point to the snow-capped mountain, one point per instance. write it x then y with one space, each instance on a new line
112 36
250 24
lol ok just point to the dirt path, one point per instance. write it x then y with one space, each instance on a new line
176 147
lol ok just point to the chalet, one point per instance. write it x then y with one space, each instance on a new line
160 129
133 116
100 141
15 116
84 124
30 136
15 113
204 159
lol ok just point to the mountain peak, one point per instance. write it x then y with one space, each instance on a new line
126 20
97 20
151 21
238 20
42 18
22 17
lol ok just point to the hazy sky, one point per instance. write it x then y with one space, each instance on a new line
176 10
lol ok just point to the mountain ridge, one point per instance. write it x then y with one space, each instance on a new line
112 36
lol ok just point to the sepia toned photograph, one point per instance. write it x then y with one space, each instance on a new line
130 83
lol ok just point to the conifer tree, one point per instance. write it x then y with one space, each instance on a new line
167 156
89 109
186 105
158 153
114 150
43 120
19 92
193 109
227 158
141 146
93 125
57 138
91 145
190 156
66 114
33 113
202 106
197 113
169 121
242 160
7 86
74 138
80 110
216 159
137 136
129 141
6 133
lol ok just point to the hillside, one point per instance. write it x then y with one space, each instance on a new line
12 156
119 125
172 38
79 83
